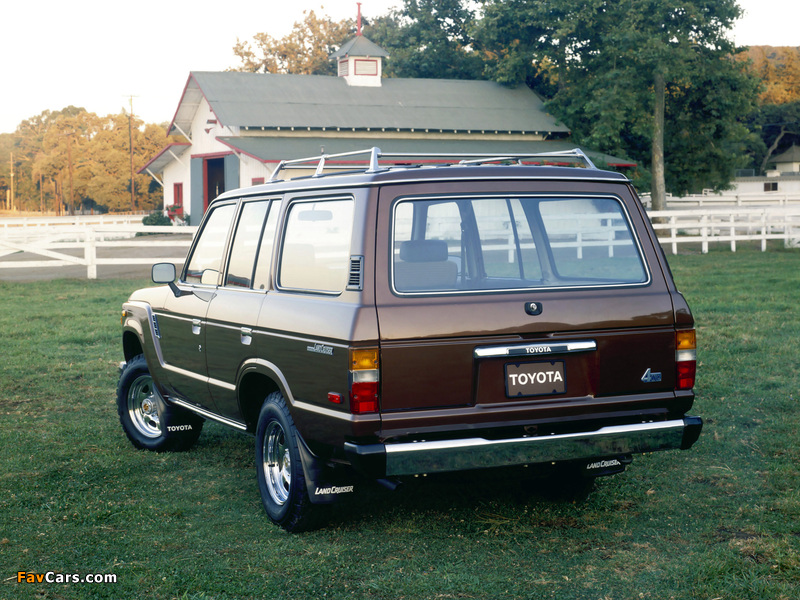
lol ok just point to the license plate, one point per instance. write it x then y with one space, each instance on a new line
535 378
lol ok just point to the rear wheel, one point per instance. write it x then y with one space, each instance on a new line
148 421
281 480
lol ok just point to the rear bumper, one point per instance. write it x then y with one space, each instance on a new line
386 460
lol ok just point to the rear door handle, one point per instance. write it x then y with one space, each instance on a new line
196 324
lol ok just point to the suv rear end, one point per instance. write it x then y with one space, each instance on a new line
526 315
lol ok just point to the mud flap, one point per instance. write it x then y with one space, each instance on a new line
175 419
325 485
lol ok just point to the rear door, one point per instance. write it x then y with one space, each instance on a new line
507 296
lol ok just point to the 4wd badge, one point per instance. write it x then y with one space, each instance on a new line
651 377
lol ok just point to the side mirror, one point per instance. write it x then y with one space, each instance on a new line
165 273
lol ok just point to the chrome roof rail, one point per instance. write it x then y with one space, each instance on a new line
574 153
461 159
299 163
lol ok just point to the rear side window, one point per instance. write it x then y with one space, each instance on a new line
509 243
316 246
245 244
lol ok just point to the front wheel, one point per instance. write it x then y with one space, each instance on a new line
281 480
148 421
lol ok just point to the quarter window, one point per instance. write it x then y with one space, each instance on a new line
316 246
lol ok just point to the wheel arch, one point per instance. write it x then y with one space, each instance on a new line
131 344
258 379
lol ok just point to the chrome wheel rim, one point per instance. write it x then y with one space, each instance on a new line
143 407
277 463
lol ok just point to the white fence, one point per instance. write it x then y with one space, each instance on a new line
7 223
66 244
710 199
730 226
55 242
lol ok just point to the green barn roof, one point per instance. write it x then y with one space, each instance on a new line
256 100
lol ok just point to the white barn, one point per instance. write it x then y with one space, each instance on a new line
238 126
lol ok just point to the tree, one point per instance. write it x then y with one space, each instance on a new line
75 158
779 70
428 39
64 144
777 127
623 76
32 191
304 50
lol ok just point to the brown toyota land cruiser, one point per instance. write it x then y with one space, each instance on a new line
424 317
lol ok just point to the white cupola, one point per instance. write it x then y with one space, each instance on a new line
360 60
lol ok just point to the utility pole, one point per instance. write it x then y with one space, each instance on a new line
69 163
11 198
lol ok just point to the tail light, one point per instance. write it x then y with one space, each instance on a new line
364 380
685 359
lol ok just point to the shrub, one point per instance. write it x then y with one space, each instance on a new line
156 218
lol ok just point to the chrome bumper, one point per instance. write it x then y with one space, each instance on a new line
476 453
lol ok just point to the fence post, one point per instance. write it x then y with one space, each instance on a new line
90 254
673 232
704 233
733 233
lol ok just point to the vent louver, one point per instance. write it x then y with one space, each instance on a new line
355 279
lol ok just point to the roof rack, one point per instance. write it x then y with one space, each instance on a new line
300 163
318 163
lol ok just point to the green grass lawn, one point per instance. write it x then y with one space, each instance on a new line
720 521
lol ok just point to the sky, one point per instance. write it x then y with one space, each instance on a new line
98 54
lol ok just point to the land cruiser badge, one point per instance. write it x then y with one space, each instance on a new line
320 349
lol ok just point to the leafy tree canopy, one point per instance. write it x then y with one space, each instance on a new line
304 50
429 39
776 127
778 68
608 67
71 158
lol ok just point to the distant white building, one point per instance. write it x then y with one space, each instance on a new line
782 178
238 126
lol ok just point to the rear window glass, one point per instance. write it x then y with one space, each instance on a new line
316 246
508 243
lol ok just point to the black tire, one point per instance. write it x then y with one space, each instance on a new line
281 480
148 421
